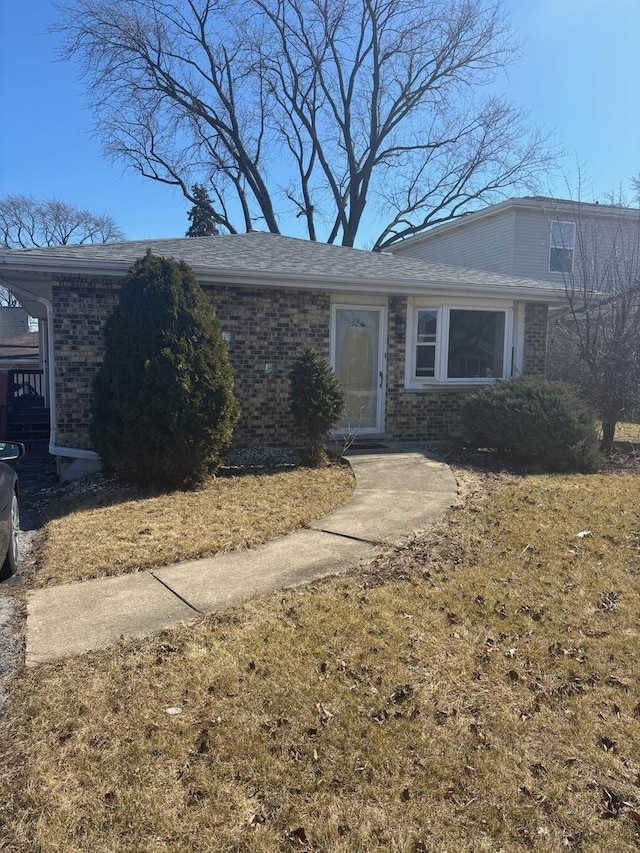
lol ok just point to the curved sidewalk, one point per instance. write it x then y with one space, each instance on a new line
399 490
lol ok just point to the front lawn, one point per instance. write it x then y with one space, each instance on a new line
475 690
628 432
114 531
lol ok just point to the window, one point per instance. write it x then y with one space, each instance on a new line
426 346
476 345
562 242
455 344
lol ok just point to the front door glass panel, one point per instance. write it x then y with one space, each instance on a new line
357 366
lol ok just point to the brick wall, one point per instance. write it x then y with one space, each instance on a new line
534 359
80 308
268 326
417 414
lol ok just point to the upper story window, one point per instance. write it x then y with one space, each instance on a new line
456 344
562 243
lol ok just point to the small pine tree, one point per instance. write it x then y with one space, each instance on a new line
317 401
164 408
202 215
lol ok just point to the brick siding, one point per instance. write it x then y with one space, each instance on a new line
430 414
415 414
536 324
80 309
268 326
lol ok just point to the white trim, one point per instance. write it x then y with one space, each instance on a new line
382 362
518 338
353 297
53 423
444 308
54 448
565 247
73 452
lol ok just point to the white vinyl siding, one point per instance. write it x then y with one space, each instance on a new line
531 247
486 245
516 240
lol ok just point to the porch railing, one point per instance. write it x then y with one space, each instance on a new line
23 414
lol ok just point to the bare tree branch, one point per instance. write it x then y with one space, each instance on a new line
26 222
338 112
598 338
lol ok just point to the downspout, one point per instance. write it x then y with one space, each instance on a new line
53 421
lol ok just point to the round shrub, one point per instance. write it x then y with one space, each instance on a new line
163 408
535 421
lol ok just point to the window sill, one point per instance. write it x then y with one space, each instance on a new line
449 384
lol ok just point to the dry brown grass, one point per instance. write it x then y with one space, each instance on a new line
474 690
628 432
228 513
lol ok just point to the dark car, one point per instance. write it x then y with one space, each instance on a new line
10 451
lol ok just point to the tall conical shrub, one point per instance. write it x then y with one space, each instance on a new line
317 401
164 408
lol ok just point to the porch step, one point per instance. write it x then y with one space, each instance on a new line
28 425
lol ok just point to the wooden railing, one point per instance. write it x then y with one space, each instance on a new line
23 414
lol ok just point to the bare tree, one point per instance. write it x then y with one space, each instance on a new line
26 222
344 113
597 339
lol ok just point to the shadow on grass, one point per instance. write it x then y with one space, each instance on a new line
626 457
98 491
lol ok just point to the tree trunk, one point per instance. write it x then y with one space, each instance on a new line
608 434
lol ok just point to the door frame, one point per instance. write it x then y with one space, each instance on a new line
382 363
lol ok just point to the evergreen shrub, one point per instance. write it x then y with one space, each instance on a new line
534 421
163 407
317 401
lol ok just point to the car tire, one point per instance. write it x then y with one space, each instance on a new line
13 553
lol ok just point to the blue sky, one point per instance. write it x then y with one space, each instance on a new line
578 75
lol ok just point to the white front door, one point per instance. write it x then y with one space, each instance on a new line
357 357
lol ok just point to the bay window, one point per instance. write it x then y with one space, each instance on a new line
455 344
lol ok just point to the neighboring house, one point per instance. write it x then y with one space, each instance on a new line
23 410
20 352
13 321
542 238
587 250
408 339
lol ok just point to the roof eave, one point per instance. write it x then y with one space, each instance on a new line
219 275
545 205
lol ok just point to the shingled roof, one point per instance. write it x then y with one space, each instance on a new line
259 256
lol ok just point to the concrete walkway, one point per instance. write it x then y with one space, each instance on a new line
398 490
